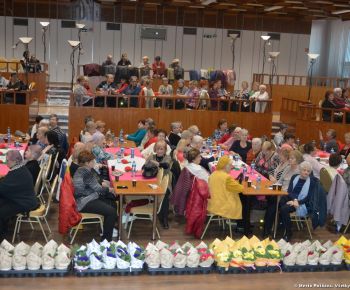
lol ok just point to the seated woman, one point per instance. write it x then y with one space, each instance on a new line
139 134
148 93
40 134
81 96
214 94
180 91
345 148
227 135
31 160
74 165
300 189
92 197
152 137
90 129
267 160
335 160
259 97
100 126
241 146
235 136
165 89
179 152
193 95
289 142
98 144
244 95
331 143
161 136
295 158
16 190
193 166
162 161
309 155
282 166
221 130
53 147
254 151
224 191
329 103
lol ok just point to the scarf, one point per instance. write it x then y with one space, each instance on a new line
198 171
301 210
17 166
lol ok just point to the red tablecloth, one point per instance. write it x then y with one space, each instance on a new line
322 154
127 151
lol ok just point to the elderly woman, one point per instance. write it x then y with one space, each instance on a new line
267 160
241 146
221 130
309 155
259 97
81 95
345 148
331 143
161 136
282 166
299 192
162 161
139 134
235 136
31 160
78 147
90 129
254 151
175 133
100 126
295 158
41 137
179 152
16 190
92 197
197 143
224 191
194 130
193 95
335 160
98 144
193 166
330 102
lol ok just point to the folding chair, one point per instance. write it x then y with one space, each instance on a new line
214 217
61 174
300 220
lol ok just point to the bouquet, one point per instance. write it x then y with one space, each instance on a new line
248 258
123 256
274 255
137 254
206 257
260 256
152 256
81 259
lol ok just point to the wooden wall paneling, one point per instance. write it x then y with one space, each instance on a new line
14 116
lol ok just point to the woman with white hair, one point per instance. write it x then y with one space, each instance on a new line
98 144
16 190
31 160
242 146
260 96
300 190
254 151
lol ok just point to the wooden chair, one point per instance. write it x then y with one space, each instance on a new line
214 217
45 166
36 216
300 220
325 179
145 212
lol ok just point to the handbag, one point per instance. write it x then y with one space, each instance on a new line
149 170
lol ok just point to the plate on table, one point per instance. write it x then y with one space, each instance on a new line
117 173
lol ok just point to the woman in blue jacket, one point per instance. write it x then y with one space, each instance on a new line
139 134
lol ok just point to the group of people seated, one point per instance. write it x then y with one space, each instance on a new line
338 99
141 93
183 154
13 84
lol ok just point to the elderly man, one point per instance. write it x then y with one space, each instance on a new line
145 67
16 190
31 160
133 90
260 96
108 66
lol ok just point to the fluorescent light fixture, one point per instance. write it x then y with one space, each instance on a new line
26 40
197 6
238 9
299 7
341 5
313 55
255 4
207 2
323 2
227 4
273 8
274 54
80 25
293 2
73 43
341 11
44 23
233 35
265 37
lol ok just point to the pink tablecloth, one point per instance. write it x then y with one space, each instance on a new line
127 151
322 154
3 169
127 176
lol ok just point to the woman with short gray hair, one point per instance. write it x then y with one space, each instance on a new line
31 160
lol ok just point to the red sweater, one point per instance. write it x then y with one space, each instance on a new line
150 141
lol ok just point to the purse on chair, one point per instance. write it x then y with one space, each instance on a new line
149 170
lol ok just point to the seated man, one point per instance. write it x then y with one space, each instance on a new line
158 67
124 61
133 90
108 87
15 84
31 160
81 94
16 190
224 191
145 67
3 81
108 66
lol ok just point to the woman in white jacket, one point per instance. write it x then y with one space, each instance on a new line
261 95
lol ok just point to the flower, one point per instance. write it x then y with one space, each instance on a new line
123 254
111 251
139 253
124 161
127 169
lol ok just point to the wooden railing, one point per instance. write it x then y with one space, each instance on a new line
315 113
293 80
176 103
26 97
289 110
16 66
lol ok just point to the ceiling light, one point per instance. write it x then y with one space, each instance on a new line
323 2
73 43
313 56
233 35
293 2
80 25
265 37
341 11
255 4
207 2
273 8
274 54
299 7
341 5
26 40
227 4
44 23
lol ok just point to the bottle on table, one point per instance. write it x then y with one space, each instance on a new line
132 153
258 182
8 135
133 169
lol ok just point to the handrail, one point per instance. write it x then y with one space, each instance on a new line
296 80
19 67
175 102
289 110
25 97
307 112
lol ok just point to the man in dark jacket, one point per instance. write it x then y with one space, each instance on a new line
16 190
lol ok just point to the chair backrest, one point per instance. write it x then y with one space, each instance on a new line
49 199
60 175
54 165
38 181
164 186
160 176
325 179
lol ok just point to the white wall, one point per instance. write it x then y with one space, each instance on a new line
194 51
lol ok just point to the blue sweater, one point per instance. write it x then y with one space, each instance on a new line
137 136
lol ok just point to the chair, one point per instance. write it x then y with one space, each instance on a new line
61 174
36 216
346 229
145 212
45 166
31 86
160 176
214 217
87 219
299 220
325 179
